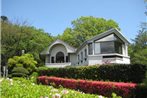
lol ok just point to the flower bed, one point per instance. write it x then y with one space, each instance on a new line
22 88
96 87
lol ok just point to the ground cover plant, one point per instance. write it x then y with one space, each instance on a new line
22 88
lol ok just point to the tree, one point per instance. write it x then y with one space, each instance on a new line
85 28
18 37
138 50
4 18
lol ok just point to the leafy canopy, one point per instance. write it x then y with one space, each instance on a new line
18 37
85 28
138 50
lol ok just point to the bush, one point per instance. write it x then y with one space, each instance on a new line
126 90
19 72
126 73
27 61
141 91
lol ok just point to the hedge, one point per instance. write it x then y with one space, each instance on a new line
125 73
126 90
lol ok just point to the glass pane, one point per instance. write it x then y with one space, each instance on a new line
97 47
107 47
90 48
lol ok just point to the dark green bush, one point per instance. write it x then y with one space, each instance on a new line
141 91
19 72
118 72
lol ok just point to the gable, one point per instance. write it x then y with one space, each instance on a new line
110 37
68 48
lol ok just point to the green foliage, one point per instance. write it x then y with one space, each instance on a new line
85 28
141 91
126 73
18 37
21 88
138 50
19 72
27 61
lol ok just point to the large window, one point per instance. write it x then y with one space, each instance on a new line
107 47
111 47
114 46
90 49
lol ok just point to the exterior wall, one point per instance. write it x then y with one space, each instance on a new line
58 48
94 59
47 59
73 59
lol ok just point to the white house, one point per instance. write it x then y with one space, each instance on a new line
105 48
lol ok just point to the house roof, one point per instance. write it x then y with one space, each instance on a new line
69 48
99 36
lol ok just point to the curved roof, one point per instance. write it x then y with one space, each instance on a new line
69 48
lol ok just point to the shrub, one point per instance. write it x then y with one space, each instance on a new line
96 87
141 91
19 72
126 73
27 61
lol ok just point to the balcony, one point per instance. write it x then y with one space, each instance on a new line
58 64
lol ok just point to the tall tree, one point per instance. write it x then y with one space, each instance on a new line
85 28
138 49
16 37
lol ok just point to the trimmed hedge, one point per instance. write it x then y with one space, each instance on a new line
126 90
125 73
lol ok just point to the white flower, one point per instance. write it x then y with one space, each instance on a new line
1 80
33 83
54 90
11 81
101 96
64 91
56 96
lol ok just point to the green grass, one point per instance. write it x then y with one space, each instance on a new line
22 88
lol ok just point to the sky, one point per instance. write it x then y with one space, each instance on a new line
54 16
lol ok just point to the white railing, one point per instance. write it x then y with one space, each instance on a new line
58 64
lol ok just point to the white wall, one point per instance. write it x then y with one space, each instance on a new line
93 60
73 59
58 48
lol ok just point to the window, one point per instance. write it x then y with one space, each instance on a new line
52 59
85 54
81 55
90 49
107 47
118 47
67 59
111 46
97 48
78 57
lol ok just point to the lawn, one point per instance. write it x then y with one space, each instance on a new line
22 88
